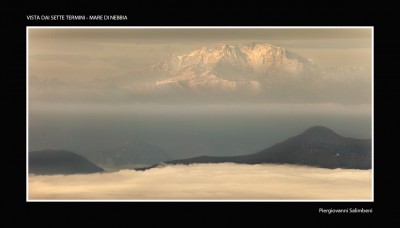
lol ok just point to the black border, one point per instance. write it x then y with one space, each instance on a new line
231 213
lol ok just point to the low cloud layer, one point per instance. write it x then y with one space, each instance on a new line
208 182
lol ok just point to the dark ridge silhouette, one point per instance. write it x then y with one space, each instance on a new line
122 152
46 162
318 146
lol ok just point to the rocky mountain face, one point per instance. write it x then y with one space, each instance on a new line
229 67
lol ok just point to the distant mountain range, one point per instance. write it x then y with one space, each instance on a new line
227 71
124 152
318 146
49 162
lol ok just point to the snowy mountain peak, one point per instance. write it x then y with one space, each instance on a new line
260 58
230 66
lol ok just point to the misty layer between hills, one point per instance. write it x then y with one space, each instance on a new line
183 132
318 146
208 182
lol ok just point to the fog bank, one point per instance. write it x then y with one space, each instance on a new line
208 182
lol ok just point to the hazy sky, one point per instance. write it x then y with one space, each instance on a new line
82 55
87 54
209 181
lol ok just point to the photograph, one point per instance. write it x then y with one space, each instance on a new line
192 114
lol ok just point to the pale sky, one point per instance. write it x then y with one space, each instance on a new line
80 55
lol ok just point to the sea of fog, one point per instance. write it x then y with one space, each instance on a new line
208 182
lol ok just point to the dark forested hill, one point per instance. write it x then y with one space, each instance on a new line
60 162
318 146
